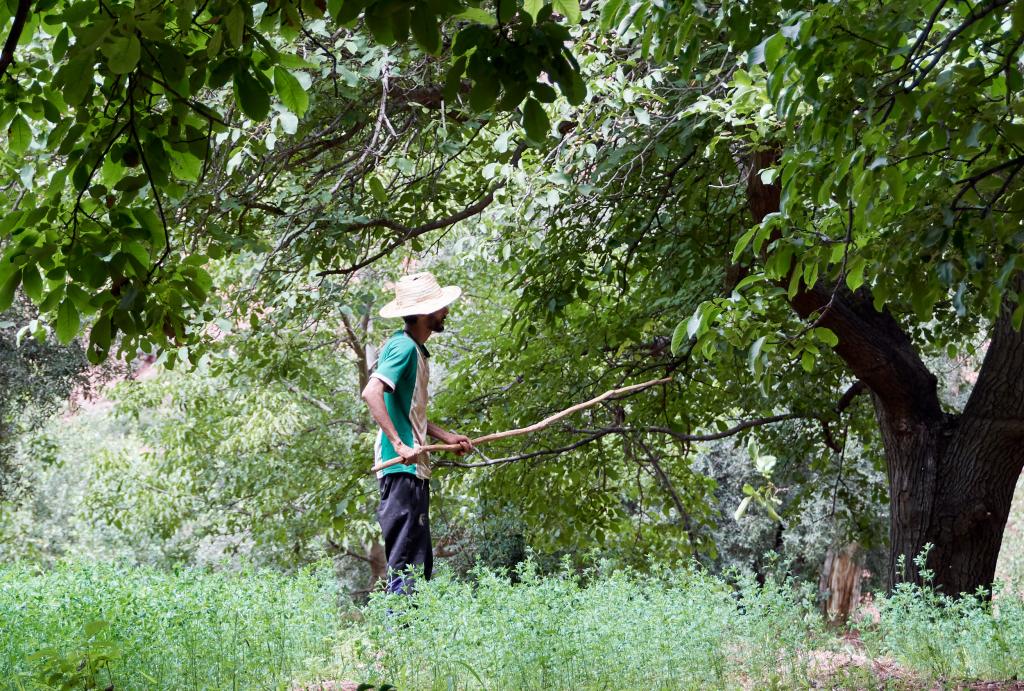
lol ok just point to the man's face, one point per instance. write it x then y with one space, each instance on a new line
436 320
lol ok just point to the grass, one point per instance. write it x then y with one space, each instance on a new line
943 639
82 626
679 629
142 628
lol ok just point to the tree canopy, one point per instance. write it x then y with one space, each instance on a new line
783 204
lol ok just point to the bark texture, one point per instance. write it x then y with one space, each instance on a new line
840 581
951 477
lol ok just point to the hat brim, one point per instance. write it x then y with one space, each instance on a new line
448 295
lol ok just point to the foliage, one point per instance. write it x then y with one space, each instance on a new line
50 516
973 637
680 628
188 629
112 111
36 375
630 247
85 665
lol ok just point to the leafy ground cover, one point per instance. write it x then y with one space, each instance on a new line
612 629
92 626
682 629
142 628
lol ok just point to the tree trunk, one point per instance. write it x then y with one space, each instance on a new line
840 580
955 498
951 477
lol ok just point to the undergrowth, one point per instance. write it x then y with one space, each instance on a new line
677 629
946 639
95 626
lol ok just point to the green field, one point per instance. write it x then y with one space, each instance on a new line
94 626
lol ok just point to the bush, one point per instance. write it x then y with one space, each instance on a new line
681 628
141 628
951 639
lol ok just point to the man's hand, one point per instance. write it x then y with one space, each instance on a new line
408 453
462 440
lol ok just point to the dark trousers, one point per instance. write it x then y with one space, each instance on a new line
404 519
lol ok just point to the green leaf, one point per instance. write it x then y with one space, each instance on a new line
215 43
379 24
570 9
122 53
807 361
32 282
855 273
755 56
19 134
377 189
7 288
290 90
742 243
425 28
1017 18
535 120
475 14
484 93
742 508
773 49
506 10
826 336
347 10
137 251
184 165
453 80
234 22
532 8
10 222
250 95
60 44
99 339
293 61
67 322
755 353
679 337
76 77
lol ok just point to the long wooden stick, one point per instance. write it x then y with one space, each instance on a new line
534 427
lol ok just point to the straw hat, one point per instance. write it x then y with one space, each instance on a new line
419 294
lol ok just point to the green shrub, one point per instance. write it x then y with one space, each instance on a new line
951 639
680 628
185 630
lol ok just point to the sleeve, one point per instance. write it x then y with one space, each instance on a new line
392 364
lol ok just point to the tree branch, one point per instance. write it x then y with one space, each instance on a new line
871 343
20 17
712 436
408 233
999 391
944 46
525 456
595 434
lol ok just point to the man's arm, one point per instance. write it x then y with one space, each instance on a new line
446 437
373 394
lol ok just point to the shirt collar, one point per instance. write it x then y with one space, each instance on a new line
423 348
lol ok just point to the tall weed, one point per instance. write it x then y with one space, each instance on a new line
185 630
951 639
677 629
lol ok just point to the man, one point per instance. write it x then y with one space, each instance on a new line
397 397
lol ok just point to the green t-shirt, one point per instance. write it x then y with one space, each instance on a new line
402 367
